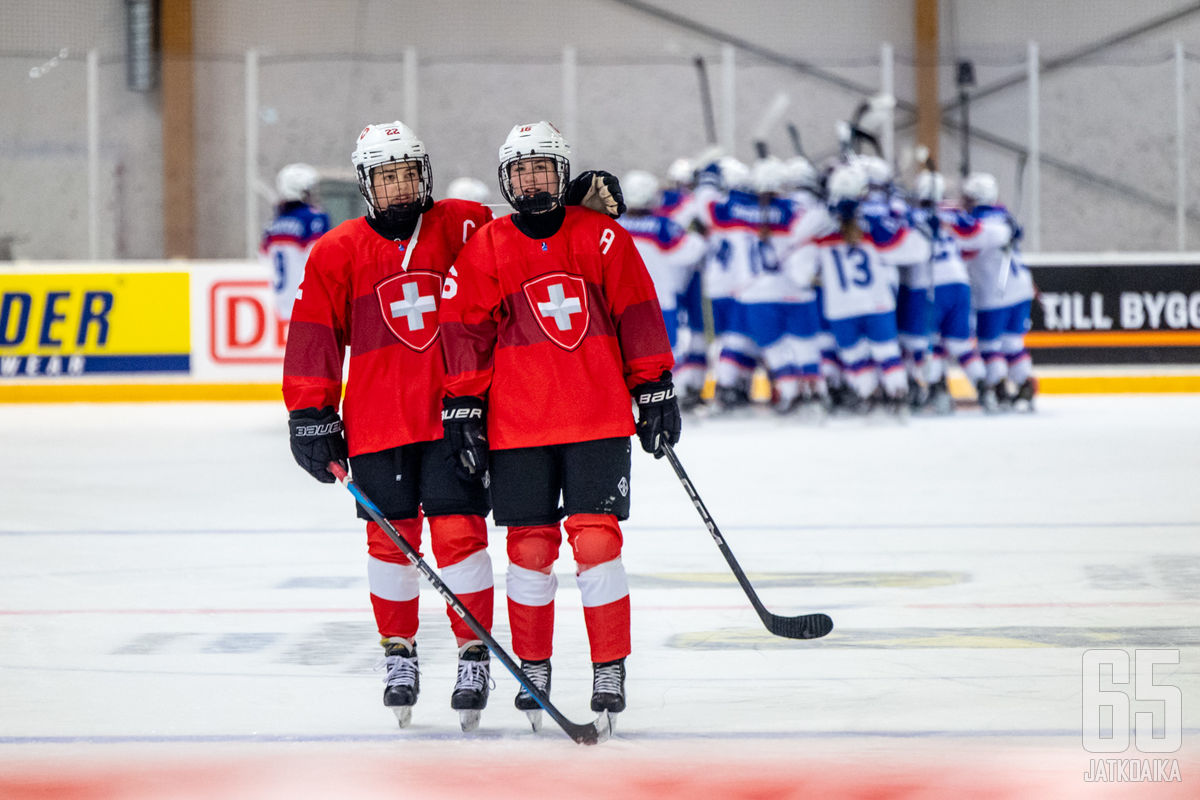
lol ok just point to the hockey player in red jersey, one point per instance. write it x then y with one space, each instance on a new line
372 284
552 324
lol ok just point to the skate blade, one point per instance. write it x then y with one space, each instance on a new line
403 715
469 719
535 719
609 722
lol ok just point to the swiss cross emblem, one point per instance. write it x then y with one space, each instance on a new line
559 303
409 303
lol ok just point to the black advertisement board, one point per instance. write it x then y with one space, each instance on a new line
1102 309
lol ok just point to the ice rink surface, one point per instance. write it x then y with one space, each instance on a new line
184 613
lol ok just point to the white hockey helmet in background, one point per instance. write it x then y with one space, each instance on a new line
847 182
931 186
682 172
769 175
878 170
466 188
846 188
535 140
640 189
980 189
296 182
801 174
734 174
390 143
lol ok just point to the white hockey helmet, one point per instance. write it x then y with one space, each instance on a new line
682 172
846 187
466 188
640 189
980 189
535 140
801 174
769 175
296 182
391 143
734 174
878 170
931 186
847 182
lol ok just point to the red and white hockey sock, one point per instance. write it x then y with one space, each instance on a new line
603 585
605 592
459 544
393 581
530 586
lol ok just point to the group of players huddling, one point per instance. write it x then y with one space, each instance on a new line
851 292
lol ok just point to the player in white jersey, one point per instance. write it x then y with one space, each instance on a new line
779 314
852 253
730 213
1002 290
673 257
808 191
910 282
288 239
950 310
677 202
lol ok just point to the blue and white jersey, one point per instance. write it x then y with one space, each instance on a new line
679 205
883 204
284 250
855 276
947 265
671 253
746 240
999 277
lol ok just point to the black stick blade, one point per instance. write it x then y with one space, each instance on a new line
806 626
592 733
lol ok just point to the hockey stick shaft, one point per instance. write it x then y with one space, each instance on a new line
592 733
794 133
706 104
806 626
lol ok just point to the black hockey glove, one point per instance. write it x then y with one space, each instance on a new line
597 190
316 440
466 433
658 414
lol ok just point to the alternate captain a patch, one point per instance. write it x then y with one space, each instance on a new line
559 303
409 303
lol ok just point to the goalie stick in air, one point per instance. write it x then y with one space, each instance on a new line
590 733
805 626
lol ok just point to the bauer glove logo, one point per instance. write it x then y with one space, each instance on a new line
320 430
449 414
656 397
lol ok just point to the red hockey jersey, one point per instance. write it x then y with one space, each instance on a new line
356 294
554 332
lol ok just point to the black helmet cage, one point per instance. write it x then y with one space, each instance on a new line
540 202
397 213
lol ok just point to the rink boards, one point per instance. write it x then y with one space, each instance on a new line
207 331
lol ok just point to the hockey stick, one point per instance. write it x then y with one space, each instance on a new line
805 626
794 133
591 733
769 119
710 122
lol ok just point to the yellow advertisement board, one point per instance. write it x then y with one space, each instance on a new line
82 323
